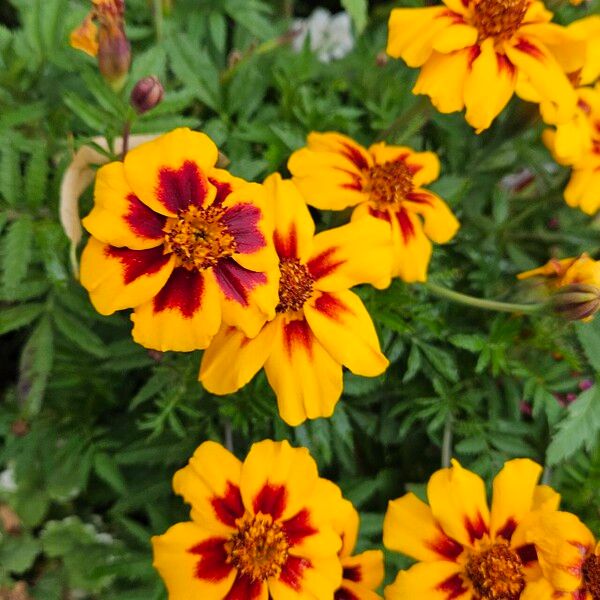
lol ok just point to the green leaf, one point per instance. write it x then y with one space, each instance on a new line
107 469
18 553
16 253
358 10
15 317
95 118
589 338
10 175
442 361
36 177
79 333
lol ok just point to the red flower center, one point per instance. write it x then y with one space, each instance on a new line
389 183
499 19
496 573
591 576
295 285
259 548
198 237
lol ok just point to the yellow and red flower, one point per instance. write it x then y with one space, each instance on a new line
383 183
465 550
478 53
260 529
183 243
558 273
320 324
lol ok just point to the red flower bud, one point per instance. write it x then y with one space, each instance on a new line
147 93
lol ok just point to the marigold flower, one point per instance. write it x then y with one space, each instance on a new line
320 324
569 557
478 53
465 550
384 183
556 273
186 245
261 528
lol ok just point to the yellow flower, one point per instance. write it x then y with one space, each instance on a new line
478 53
320 324
383 183
557 273
184 244
260 529
569 558
465 550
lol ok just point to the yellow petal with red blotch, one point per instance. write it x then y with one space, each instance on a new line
184 316
542 590
85 37
365 570
583 190
543 73
455 37
354 591
210 483
193 563
562 542
293 225
439 223
489 86
343 326
588 29
431 581
458 503
119 218
424 166
357 156
443 78
409 528
513 495
306 379
232 359
118 278
360 252
413 32
169 173
347 523
458 6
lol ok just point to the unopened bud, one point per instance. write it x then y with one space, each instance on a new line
577 301
114 54
147 93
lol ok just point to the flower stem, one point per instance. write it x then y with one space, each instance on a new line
158 19
447 442
126 132
496 305
228 434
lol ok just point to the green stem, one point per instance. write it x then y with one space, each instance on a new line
158 19
447 442
509 307
288 9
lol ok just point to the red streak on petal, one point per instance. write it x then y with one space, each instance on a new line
297 333
297 528
286 246
527 47
245 589
293 570
223 189
406 226
507 530
229 507
355 155
384 215
352 573
212 565
504 64
324 264
420 198
455 18
453 586
527 553
271 500
236 282
242 222
331 306
580 594
137 263
474 52
446 546
143 221
345 594
183 292
476 529
179 188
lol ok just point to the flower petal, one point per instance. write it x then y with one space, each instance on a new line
410 528
489 86
343 326
245 588
300 579
232 359
306 379
455 37
439 222
184 316
360 252
210 483
542 589
582 190
424 166
458 503
119 278
354 591
192 563
169 173
431 580
365 570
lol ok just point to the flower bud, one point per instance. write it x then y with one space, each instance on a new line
577 301
147 93
114 55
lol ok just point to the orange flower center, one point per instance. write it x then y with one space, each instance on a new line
496 573
499 19
259 548
591 576
198 238
295 285
389 183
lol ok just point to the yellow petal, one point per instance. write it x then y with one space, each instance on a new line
118 278
409 528
355 591
343 326
545 498
232 359
365 570
439 223
542 590
583 190
424 166
184 316
431 581
210 484
347 524
306 379
458 502
85 37
588 29
455 37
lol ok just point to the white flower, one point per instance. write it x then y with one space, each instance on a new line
330 35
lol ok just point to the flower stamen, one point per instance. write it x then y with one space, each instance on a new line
295 285
498 19
591 576
389 183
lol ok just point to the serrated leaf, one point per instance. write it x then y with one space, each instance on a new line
589 338
358 10
79 333
472 343
443 362
10 175
36 177
95 118
14 317
107 469
16 253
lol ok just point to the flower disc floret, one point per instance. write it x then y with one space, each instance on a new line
591 575
389 183
295 285
499 19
